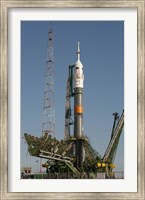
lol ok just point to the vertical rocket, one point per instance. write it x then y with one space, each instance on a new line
78 96
78 107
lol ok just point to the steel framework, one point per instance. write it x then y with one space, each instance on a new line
48 121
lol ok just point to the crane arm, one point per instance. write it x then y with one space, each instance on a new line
113 144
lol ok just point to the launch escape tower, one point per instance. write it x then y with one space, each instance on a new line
72 157
48 121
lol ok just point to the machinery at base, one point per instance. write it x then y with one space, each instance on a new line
61 158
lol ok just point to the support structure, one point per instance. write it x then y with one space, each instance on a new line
68 110
48 122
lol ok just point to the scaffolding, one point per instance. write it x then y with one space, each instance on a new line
48 121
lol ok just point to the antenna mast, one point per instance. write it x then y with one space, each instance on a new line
48 123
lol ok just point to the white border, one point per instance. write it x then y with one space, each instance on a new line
129 184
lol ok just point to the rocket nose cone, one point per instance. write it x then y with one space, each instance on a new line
78 64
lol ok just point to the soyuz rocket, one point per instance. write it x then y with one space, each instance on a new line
78 96
78 108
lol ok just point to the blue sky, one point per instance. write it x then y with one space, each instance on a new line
102 55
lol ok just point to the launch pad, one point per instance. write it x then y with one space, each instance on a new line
62 161
74 157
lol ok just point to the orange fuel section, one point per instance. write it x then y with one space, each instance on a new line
79 109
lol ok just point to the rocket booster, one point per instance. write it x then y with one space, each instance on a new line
78 96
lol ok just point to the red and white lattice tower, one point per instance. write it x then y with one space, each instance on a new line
48 123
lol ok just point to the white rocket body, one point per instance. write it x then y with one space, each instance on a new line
78 72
